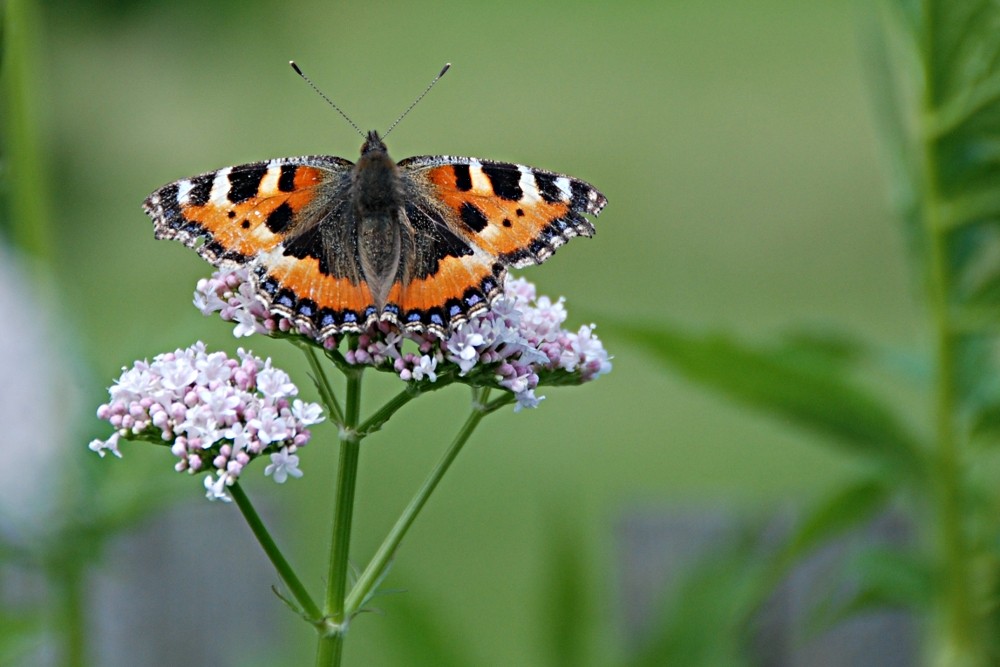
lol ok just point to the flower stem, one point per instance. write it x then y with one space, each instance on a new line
323 384
22 52
309 608
959 635
380 561
377 420
69 578
331 642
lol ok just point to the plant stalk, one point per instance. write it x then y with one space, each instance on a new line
309 608
330 647
959 637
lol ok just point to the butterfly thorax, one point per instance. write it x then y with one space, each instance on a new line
377 200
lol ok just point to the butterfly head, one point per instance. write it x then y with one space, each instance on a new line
373 143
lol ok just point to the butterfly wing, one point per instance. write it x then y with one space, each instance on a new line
288 221
471 219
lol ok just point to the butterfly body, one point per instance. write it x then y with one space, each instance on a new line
337 246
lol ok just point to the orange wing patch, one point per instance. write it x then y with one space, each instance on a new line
455 277
303 278
499 226
257 223
231 215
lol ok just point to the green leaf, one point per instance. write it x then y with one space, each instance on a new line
706 616
565 598
815 396
419 636
20 630
847 508
887 52
882 578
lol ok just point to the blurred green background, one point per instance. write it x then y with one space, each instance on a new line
735 145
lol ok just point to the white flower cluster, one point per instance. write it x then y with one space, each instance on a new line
516 344
217 413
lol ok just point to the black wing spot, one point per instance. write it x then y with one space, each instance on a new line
201 190
463 179
280 218
286 182
505 179
581 195
309 244
433 242
548 189
166 197
507 222
245 182
473 217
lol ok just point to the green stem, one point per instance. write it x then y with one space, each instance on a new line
376 421
309 608
322 383
380 561
68 576
21 43
959 635
331 642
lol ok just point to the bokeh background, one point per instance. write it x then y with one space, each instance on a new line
736 147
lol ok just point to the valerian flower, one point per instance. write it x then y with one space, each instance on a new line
518 344
217 414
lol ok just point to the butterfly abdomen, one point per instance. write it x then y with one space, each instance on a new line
377 199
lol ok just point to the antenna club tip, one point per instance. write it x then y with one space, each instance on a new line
295 67
444 69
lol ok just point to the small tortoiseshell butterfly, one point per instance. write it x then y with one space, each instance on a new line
337 246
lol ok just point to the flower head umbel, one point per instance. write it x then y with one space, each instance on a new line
517 345
216 413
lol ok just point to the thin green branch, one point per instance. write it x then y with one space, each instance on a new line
68 577
309 608
322 383
377 420
499 402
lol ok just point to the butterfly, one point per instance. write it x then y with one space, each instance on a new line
337 246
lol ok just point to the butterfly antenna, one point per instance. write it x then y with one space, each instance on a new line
426 90
328 100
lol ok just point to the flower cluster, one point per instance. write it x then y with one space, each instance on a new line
217 414
517 345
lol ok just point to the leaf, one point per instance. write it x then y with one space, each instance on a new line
881 578
835 350
814 396
845 509
419 635
566 600
886 53
706 616
20 632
